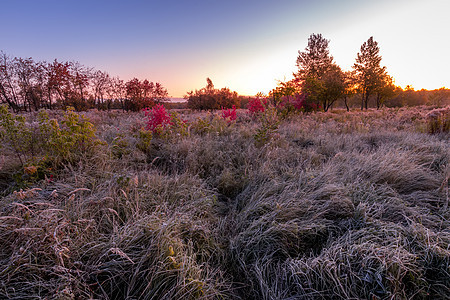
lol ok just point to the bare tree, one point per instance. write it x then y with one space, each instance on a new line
100 81
8 88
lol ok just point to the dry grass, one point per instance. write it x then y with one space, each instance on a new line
334 206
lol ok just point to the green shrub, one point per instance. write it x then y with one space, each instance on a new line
41 146
268 126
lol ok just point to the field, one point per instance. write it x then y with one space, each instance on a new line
336 205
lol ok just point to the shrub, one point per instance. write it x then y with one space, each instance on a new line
144 140
256 106
268 127
158 118
229 114
297 102
14 133
162 123
178 125
75 136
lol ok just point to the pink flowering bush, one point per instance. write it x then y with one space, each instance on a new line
229 114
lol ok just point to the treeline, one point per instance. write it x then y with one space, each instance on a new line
27 85
211 98
321 84
324 84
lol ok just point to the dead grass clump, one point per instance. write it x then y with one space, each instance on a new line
439 120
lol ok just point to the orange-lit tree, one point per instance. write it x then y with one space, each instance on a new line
370 75
142 94
320 78
211 98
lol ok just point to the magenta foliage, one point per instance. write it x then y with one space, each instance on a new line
157 117
297 101
229 114
256 106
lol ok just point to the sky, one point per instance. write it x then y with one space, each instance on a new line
245 45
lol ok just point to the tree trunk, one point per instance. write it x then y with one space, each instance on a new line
362 101
366 101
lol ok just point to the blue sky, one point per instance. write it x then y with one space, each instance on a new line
244 45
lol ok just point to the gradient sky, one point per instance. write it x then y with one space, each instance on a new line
244 45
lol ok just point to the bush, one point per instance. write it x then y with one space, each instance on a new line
47 141
229 115
162 124
256 106
297 102
158 118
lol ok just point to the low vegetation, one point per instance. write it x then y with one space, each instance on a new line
234 204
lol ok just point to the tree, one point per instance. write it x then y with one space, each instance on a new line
316 59
211 98
321 79
439 97
284 89
142 94
80 79
333 86
8 88
117 91
101 82
350 87
384 89
369 73
58 74
29 83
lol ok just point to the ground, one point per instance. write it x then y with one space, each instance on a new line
336 205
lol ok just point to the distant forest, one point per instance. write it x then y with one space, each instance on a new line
26 85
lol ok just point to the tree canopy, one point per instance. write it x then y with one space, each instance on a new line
370 75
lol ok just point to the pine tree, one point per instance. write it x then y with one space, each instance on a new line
368 70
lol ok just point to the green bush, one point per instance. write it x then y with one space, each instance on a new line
45 144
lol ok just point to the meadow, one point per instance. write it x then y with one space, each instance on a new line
326 205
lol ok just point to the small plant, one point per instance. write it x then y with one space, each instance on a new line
229 115
269 126
120 146
144 140
158 118
15 133
46 140
178 125
73 138
256 106
201 126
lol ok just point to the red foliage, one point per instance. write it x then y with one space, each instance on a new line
157 118
256 106
297 102
229 114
